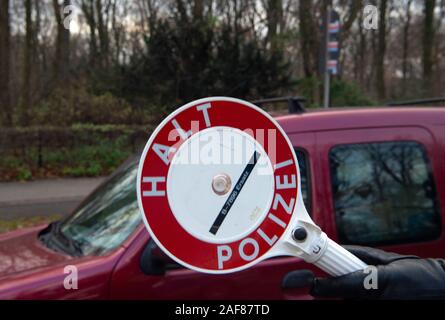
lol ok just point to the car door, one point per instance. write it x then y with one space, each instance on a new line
262 281
383 187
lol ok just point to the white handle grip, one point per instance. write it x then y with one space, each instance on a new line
338 261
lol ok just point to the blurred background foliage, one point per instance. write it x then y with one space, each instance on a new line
132 62
82 150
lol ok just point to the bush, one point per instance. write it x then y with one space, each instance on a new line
7 225
309 88
75 104
343 93
80 150
346 94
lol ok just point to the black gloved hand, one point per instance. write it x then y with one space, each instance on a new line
399 277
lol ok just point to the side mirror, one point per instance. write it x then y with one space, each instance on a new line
153 261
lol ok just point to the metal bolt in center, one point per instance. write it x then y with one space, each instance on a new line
221 184
299 234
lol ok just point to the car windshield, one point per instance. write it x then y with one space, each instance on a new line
108 216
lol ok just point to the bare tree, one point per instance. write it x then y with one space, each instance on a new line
148 11
102 17
428 44
274 9
353 8
62 56
88 10
362 44
97 14
405 49
309 38
381 51
5 98
26 102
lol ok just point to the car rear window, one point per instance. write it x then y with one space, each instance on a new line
384 193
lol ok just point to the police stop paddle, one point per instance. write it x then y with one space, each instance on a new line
218 188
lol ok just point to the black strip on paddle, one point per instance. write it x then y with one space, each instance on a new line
235 193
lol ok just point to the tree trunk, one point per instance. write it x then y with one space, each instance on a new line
428 43
381 51
198 9
88 10
5 46
310 49
102 29
62 57
309 40
363 48
27 66
405 48
354 8
274 20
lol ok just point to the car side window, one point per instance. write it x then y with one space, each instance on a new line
384 193
303 163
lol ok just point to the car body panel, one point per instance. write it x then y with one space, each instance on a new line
29 270
24 253
261 282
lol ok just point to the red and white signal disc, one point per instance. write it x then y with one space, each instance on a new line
217 184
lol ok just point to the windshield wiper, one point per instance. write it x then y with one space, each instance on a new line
55 239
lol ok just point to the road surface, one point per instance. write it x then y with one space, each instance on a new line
43 197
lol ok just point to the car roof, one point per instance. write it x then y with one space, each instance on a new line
349 118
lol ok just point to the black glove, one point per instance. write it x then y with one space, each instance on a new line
398 277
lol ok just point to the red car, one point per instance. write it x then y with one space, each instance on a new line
369 176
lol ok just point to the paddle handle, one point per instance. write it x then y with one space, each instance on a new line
337 261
